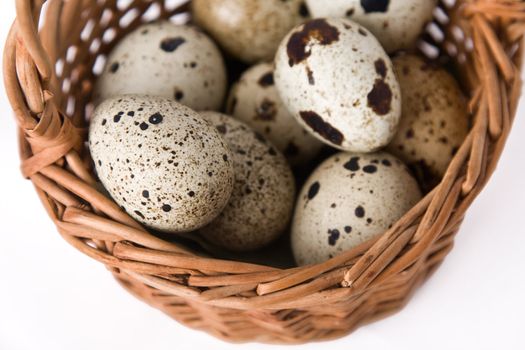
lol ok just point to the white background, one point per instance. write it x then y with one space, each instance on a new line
52 297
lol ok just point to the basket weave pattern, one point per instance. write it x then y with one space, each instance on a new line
49 75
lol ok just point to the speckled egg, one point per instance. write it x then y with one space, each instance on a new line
434 122
336 79
349 199
263 195
159 160
255 100
249 30
396 23
163 59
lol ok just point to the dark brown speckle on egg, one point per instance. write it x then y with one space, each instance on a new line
380 97
303 10
359 211
370 6
318 30
171 44
323 128
156 118
380 67
114 67
313 190
179 95
266 110
370 169
334 235
310 74
352 164
266 80
222 129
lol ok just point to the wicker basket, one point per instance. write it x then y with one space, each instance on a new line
49 78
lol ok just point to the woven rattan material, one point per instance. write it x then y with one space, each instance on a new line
49 78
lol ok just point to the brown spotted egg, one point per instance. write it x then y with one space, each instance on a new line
263 196
255 100
396 23
338 82
249 30
163 59
434 122
349 199
160 161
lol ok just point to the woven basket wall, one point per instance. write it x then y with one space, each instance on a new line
50 63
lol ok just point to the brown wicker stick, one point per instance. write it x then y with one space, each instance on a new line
49 79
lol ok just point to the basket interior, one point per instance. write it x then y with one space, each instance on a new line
82 56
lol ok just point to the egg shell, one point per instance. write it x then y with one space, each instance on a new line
435 120
160 161
249 30
349 199
397 24
263 196
338 82
163 59
255 101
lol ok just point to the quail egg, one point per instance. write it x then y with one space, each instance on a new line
338 82
255 100
349 199
396 23
163 59
160 161
249 30
434 121
263 196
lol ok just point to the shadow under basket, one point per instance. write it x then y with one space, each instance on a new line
53 54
